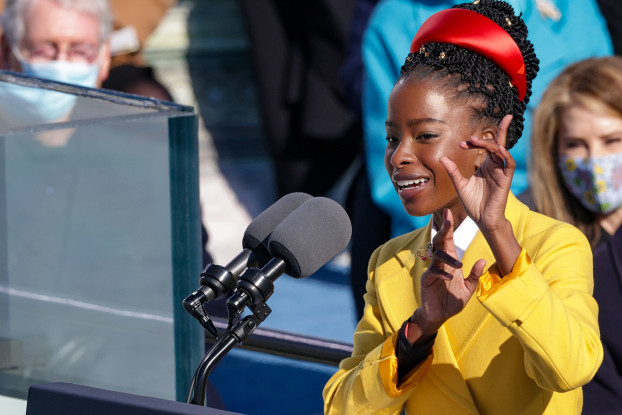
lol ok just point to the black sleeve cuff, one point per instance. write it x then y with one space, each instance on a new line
409 355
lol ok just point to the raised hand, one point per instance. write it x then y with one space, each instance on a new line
484 195
444 290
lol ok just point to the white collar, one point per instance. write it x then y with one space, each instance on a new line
463 235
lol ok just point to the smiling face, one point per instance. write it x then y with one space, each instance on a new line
425 122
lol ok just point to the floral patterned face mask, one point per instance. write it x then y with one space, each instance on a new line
596 182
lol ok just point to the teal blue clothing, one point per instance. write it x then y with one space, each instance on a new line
580 32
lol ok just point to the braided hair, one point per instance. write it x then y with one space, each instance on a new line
467 72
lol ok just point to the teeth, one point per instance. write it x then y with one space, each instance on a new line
405 183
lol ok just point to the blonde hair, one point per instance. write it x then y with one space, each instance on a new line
594 84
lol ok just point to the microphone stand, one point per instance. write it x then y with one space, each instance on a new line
254 288
236 334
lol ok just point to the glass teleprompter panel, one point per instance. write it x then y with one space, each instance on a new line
88 260
32 103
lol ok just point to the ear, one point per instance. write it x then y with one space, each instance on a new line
489 133
104 67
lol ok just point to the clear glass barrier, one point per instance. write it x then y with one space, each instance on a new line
89 261
74 104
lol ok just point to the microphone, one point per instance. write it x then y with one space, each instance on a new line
306 240
218 281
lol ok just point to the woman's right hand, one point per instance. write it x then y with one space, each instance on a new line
444 290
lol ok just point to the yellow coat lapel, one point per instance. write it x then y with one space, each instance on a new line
399 292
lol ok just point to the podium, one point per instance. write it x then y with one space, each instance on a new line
70 399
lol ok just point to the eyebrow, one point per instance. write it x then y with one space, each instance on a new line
606 136
416 122
612 134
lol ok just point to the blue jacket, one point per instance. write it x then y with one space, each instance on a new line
580 32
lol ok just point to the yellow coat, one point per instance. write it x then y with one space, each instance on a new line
524 344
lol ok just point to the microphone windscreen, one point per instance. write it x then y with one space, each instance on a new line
311 236
259 230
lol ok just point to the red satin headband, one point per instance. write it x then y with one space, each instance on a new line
479 34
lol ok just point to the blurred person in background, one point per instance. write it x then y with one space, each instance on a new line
123 28
70 41
132 24
576 177
60 40
297 51
612 11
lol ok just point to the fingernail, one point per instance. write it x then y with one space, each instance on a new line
448 259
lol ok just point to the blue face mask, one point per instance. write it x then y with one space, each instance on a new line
75 73
22 106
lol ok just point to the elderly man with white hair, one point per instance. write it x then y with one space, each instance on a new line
64 40
60 40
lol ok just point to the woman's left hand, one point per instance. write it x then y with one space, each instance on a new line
484 195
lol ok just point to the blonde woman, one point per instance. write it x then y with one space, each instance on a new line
576 176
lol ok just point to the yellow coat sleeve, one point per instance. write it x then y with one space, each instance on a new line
366 382
546 303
